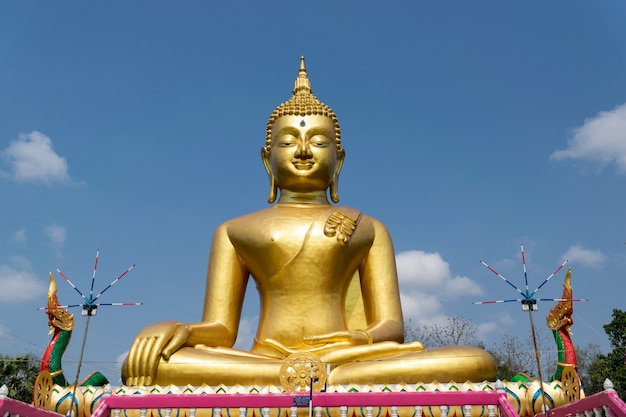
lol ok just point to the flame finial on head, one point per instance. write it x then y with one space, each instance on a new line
302 85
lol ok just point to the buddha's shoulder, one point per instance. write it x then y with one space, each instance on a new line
250 218
294 214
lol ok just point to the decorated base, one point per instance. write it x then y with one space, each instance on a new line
525 397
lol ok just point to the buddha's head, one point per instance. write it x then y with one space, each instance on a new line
303 149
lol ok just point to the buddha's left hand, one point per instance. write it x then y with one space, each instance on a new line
324 342
346 338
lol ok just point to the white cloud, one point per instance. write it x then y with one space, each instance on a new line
498 323
420 308
20 262
247 330
584 256
19 285
601 139
117 368
119 360
420 270
56 235
33 159
425 282
20 236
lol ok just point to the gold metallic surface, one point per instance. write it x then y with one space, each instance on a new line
299 369
304 255
570 381
58 317
561 314
42 390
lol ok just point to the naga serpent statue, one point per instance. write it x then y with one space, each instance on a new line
560 321
61 324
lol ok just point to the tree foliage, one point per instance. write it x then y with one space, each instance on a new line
18 374
589 363
512 355
613 365
454 331
515 356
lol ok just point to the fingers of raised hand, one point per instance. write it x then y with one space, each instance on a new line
179 339
142 360
145 353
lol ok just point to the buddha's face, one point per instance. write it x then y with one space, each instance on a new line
303 154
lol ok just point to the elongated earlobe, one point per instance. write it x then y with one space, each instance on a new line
334 183
334 190
273 190
265 157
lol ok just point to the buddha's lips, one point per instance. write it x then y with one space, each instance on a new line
303 165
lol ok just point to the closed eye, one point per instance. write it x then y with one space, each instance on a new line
320 141
286 141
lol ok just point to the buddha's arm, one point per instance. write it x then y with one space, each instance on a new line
225 289
379 285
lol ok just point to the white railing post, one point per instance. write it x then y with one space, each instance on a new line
243 411
444 410
394 411
294 411
418 411
467 410
217 412
499 386
318 411
343 411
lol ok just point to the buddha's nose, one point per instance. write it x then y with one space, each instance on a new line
304 150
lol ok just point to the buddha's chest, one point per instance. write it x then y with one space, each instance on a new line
272 239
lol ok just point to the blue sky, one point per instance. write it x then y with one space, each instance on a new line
470 128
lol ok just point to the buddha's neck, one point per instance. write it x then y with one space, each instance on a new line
309 197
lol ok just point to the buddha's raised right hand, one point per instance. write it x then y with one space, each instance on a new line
153 342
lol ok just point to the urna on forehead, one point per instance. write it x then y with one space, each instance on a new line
302 103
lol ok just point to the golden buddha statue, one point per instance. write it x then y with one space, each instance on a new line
326 277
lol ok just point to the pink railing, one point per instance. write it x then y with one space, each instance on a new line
495 401
11 407
605 403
